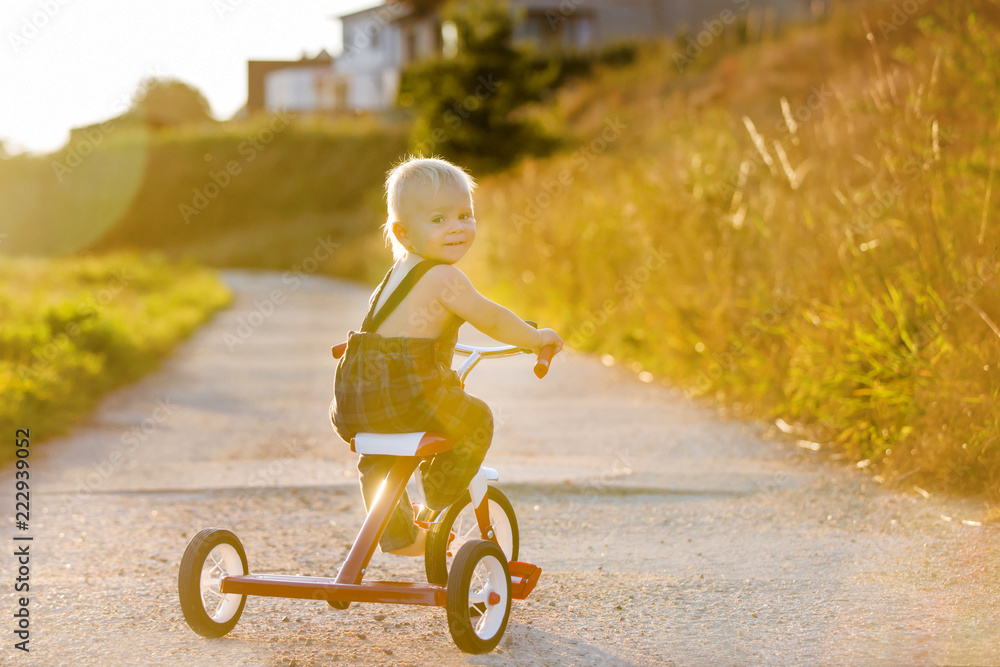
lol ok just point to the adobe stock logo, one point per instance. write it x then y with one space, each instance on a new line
34 23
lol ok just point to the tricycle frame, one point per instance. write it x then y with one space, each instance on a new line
348 585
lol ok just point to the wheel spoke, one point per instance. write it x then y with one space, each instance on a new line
213 570
480 578
464 530
218 607
480 623
477 610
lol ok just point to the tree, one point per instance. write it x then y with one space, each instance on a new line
468 107
162 103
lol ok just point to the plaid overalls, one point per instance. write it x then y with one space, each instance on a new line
399 385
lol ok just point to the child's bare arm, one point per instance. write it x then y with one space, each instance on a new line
457 294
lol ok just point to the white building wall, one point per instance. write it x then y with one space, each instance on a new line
294 89
370 62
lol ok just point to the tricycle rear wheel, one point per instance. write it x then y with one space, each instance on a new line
478 596
210 555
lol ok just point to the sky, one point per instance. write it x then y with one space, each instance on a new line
69 63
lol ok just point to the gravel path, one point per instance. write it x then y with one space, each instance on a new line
667 534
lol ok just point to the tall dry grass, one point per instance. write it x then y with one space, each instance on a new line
806 230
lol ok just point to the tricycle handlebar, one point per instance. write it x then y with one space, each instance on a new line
501 351
476 353
544 358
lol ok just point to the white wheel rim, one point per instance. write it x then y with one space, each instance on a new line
223 559
487 578
466 528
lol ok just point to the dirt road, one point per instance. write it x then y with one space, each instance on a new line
667 534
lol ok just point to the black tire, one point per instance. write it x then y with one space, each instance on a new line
436 559
194 582
479 570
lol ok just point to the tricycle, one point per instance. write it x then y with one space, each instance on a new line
470 556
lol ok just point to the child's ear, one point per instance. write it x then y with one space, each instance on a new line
400 233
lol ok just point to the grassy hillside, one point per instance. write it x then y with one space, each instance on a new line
261 194
75 328
804 230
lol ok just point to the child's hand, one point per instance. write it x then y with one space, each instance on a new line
549 337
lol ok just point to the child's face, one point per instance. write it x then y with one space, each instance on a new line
437 225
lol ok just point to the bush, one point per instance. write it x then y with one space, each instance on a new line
73 329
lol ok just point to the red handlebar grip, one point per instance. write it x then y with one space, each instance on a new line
544 357
338 350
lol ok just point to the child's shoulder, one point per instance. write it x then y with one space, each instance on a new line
443 271
445 275
448 286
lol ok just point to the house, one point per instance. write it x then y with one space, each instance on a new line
381 41
306 84
378 43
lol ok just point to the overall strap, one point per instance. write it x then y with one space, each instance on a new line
372 323
374 300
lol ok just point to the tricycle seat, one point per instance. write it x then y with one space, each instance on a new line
420 443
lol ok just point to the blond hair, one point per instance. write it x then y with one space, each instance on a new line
413 172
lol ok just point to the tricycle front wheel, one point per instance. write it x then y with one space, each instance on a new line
459 525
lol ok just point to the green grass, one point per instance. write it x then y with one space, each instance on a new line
841 276
72 329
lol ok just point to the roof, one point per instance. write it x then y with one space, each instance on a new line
321 58
398 5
